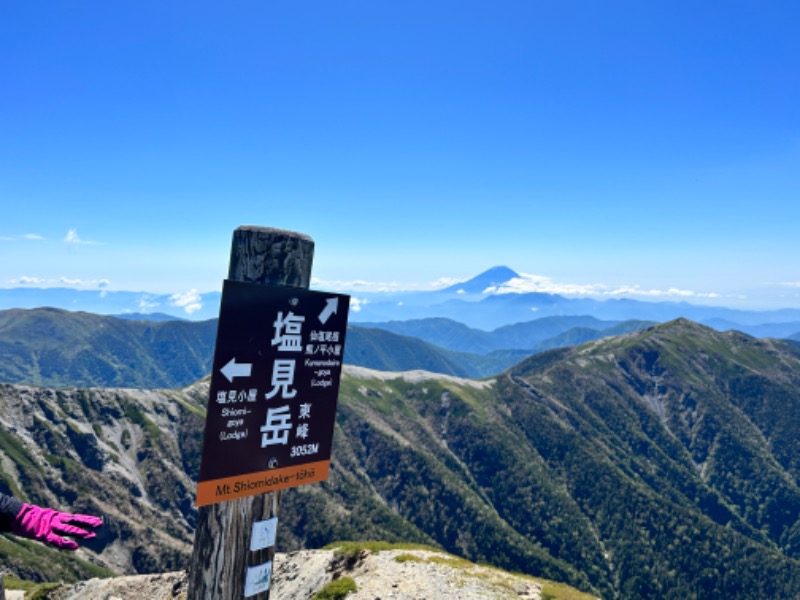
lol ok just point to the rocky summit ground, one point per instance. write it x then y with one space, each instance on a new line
393 574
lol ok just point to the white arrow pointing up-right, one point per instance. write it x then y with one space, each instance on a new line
331 306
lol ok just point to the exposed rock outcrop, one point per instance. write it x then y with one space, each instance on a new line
390 575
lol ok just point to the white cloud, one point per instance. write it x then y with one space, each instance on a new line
653 293
541 284
28 236
147 303
61 282
525 284
356 304
73 239
444 282
790 284
101 283
25 280
189 301
358 285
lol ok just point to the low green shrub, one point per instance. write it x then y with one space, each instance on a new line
336 589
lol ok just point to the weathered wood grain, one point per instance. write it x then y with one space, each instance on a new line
221 554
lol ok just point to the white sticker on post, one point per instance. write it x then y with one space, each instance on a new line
257 579
263 534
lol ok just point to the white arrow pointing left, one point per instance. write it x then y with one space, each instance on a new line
234 369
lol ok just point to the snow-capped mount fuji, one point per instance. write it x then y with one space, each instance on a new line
492 278
495 298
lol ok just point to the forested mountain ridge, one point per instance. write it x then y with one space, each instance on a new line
532 336
663 463
681 437
58 348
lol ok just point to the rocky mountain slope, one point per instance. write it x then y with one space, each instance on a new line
389 573
661 463
128 455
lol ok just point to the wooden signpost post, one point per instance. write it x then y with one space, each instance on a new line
271 409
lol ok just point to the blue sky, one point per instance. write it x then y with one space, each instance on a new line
645 146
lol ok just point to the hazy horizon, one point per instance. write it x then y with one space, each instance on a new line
365 292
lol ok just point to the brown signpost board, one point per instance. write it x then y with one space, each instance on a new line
274 389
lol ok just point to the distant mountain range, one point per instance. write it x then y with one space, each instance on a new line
144 305
531 337
58 348
475 303
662 463
478 304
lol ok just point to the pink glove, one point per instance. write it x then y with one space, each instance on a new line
48 525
